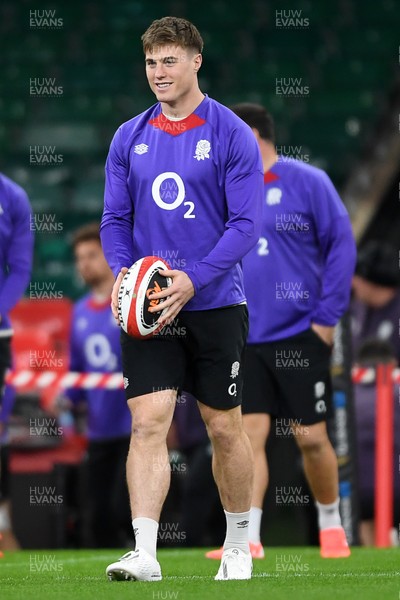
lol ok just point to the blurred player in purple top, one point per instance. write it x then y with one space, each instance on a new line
16 254
297 282
94 346
184 181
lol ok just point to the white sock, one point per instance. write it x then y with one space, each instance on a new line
237 531
5 521
255 524
328 515
145 531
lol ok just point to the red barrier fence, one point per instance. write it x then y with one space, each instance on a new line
384 450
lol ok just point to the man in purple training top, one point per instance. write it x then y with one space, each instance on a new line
184 181
297 282
94 346
16 253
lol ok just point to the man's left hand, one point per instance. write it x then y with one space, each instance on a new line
180 292
324 332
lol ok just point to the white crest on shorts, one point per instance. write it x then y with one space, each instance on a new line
126 382
141 149
202 150
235 369
385 330
319 389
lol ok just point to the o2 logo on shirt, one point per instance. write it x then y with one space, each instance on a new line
262 247
99 353
162 189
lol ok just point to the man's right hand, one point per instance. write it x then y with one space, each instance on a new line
114 293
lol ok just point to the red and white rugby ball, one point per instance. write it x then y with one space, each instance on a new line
138 283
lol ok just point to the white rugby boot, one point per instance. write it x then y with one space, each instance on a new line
235 564
137 565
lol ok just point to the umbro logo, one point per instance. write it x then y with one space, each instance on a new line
242 524
141 149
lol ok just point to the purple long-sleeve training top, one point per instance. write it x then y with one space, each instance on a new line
188 191
16 248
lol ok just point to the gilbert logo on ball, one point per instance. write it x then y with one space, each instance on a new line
142 279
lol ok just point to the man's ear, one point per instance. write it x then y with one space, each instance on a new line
256 134
198 59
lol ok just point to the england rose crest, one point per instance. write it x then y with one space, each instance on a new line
202 150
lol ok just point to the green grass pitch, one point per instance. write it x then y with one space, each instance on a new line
285 574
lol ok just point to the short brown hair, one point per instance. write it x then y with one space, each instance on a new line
86 233
174 31
257 117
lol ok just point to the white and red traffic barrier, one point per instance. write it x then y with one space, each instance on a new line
112 381
43 379
368 375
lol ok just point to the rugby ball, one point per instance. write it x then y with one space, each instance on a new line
134 302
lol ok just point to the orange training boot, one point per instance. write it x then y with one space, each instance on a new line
333 543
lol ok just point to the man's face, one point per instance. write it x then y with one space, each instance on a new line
171 72
90 262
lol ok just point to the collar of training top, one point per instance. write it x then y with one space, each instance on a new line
176 127
270 176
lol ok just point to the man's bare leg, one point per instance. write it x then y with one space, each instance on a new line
233 470
319 460
257 426
321 469
147 468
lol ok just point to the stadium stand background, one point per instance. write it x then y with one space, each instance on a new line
346 56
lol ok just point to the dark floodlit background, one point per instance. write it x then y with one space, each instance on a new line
328 71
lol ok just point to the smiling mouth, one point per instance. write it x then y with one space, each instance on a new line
162 86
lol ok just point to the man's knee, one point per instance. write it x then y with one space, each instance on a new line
151 417
222 425
313 440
